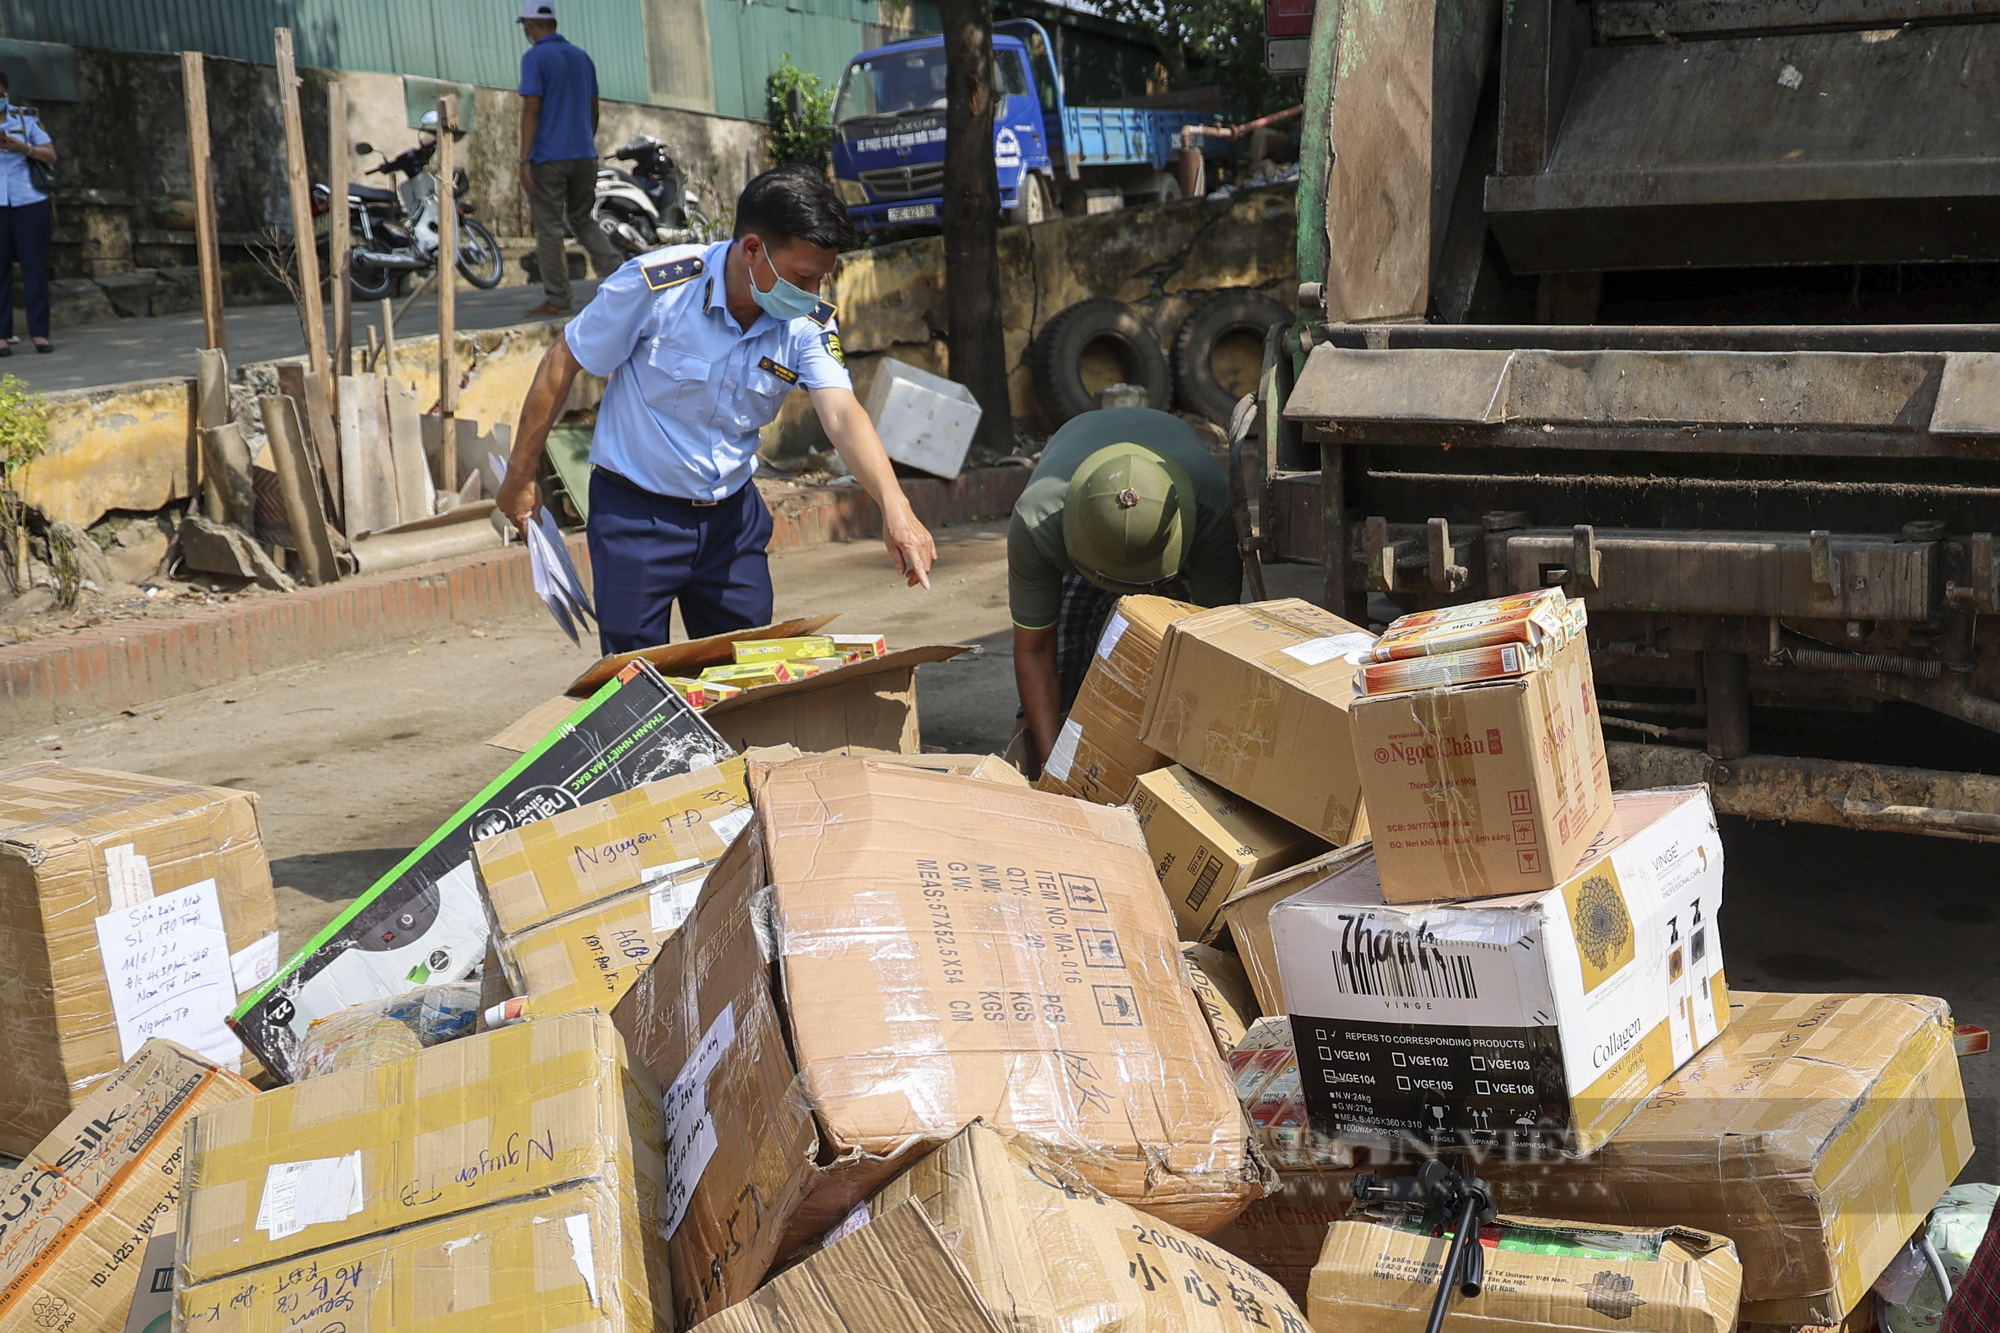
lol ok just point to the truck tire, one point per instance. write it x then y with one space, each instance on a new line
1034 206
1233 323
1070 359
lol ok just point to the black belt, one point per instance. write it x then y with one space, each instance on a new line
627 484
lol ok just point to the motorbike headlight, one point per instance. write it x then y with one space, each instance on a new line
851 192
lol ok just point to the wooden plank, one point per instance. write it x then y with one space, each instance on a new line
311 313
322 438
211 409
225 466
447 110
415 498
208 253
293 464
337 235
368 478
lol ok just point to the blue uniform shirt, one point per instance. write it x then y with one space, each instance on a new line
558 72
689 388
16 186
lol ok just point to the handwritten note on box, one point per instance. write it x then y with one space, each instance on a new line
167 960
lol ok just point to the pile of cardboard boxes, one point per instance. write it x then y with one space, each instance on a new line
784 1024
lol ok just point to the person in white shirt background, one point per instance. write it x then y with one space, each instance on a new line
26 220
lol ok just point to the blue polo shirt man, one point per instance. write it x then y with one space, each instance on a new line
559 152
699 346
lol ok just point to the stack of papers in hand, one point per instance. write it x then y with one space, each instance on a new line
556 580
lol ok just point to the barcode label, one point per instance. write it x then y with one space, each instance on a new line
1204 882
1397 968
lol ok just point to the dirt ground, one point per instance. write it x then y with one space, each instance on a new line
357 759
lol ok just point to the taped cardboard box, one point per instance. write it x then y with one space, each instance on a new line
1544 1019
425 921
490 1117
1046 1250
891 954
1224 993
98 872
1817 1131
1486 789
1207 844
590 958
1255 699
77 1213
990 767
579 1257
1281 1233
1248 917
1378 1278
1098 754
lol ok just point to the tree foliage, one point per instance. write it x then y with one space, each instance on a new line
1212 41
805 137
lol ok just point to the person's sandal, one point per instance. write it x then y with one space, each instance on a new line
6 348
44 345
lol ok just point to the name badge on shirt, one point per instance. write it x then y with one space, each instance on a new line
785 373
673 272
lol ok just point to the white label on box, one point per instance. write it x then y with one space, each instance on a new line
669 904
167 962
302 1194
1314 651
728 826
1114 630
690 1128
129 874
857 1218
1062 757
578 1227
252 965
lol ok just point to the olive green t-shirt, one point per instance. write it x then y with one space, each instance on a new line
1036 558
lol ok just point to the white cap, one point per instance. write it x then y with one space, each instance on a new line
537 9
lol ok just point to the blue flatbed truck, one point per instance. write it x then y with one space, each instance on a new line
888 137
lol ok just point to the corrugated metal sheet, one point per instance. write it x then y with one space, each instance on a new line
748 38
461 41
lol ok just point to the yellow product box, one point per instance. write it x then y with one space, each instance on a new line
860 647
1522 618
1541 1021
76 1214
750 674
579 1258
590 958
608 848
1207 844
696 692
1466 666
1542 1276
1818 1131
785 650
490 1117
1098 754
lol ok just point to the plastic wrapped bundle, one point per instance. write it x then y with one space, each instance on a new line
383 1030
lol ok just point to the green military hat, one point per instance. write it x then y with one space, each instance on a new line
1128 517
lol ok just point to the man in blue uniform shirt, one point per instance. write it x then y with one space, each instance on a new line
700 345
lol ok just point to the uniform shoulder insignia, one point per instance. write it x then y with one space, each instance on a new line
822 314
785 373
672 272
830 340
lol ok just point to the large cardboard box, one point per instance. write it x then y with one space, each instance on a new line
886 955
1375 1278
1255 698
578 1257
1545 1019
1486 789
425 921
1248 917
1046 1250
1207 843
1281 1234
1098 754
76 1214
588 959
473 1122
1224 993
97 870
1817 1131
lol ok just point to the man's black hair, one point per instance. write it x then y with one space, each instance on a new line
3 79
794 203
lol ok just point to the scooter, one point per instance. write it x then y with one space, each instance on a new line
650 205
395 231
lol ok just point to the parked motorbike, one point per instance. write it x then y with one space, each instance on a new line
650 205
395 231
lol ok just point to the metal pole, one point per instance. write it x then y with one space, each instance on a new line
208 257
447 328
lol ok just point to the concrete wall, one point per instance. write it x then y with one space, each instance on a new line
1161 259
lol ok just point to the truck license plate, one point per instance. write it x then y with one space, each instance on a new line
913 213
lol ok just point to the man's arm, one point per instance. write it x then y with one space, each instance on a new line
1035 678
855 440
520 495
531 116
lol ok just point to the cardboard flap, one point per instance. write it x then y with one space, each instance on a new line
896 661
894 1275
520 735
685 659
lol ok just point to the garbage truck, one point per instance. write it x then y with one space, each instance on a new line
888 138
1683 307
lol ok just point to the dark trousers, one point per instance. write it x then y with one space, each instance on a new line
647 551
24 237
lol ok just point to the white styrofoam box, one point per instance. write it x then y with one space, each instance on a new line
925 420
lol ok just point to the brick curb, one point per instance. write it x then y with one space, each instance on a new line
98 671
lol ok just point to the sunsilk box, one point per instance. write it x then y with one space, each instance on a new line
423 922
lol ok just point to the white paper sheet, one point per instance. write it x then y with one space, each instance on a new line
167 960
302 1194
556 580
252 965
691 1139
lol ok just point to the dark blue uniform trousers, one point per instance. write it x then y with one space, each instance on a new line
647 551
